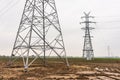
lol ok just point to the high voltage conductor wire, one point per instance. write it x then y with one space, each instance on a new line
9 6
107 16
6 5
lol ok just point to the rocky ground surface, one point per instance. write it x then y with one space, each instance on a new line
78 70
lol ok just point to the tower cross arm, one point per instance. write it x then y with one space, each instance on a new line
87 17
87 22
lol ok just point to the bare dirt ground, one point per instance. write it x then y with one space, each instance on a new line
78 70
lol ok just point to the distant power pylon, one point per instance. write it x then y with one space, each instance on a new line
108 48
39 34
109 52
87 49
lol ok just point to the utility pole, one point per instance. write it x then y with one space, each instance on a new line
88 53
39 34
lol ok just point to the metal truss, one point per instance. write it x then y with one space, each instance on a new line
39 34
87 48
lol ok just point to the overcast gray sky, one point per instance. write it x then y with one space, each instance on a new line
107 32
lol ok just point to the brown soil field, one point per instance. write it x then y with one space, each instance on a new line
98 69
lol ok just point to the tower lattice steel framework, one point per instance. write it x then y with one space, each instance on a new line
39 34
87 48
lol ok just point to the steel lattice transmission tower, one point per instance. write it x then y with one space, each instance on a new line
39 34
87 48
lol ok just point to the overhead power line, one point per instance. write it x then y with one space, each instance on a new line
8 7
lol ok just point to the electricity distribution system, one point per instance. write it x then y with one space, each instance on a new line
87 48
39 34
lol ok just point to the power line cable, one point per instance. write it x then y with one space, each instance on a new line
8 8
6 5
107 16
